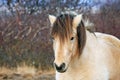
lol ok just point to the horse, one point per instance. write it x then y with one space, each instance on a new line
81 54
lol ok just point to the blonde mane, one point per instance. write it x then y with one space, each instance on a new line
89 25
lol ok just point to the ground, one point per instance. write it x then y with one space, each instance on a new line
26 73
14 76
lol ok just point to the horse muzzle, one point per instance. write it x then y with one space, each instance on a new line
61 68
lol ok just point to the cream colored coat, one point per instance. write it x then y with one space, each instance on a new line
100 60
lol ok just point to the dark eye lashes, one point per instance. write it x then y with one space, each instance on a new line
72 38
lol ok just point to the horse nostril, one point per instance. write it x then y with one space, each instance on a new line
61 67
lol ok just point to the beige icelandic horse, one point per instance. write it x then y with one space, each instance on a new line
81 54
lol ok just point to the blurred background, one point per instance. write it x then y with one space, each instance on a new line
25 28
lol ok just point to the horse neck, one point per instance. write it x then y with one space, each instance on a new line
90 46
91 41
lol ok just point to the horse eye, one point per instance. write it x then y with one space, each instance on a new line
72 38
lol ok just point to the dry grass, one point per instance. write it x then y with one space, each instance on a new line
4 70
26 73
26 70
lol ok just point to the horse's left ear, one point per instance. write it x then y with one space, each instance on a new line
76 20
52 19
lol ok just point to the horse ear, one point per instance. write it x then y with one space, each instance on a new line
76 20
52 19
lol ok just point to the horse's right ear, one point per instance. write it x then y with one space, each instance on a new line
77 19
52 19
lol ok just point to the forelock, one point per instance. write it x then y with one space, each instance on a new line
63 26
